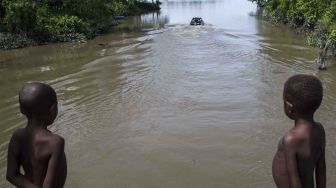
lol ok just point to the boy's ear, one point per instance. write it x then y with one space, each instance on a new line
23 111
289 104
53 107
289 107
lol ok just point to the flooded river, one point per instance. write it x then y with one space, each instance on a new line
161 104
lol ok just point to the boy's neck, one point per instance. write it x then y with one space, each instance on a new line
35 124
304 119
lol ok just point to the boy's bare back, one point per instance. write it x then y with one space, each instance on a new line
38 151
301 152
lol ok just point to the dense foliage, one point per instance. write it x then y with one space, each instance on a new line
63 20
318 17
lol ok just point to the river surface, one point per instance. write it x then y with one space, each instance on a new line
161 104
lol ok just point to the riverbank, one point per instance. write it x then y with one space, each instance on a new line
316 20
28 23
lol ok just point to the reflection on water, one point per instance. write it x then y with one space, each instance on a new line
147 22
159 103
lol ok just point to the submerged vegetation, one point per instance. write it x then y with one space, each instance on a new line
27 22
316 17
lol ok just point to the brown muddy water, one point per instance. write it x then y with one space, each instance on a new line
161 104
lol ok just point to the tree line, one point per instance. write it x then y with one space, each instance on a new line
62 20
316 17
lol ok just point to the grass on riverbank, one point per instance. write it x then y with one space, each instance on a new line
29 22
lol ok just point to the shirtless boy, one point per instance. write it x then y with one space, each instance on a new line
38 151
302 149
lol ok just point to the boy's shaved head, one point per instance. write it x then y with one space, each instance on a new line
36 99
304 92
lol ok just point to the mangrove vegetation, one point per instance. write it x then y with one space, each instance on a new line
316 18
29 22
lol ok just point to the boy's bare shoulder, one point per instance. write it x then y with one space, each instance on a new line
18 134
293 139
16 140
50 142
56 141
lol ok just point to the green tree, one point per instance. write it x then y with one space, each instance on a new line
315 16
63 20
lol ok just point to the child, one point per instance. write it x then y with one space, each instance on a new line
34 148
302 149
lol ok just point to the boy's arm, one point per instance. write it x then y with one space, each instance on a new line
54 162
320 172
13 166
290 148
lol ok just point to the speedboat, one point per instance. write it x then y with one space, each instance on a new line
197 21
